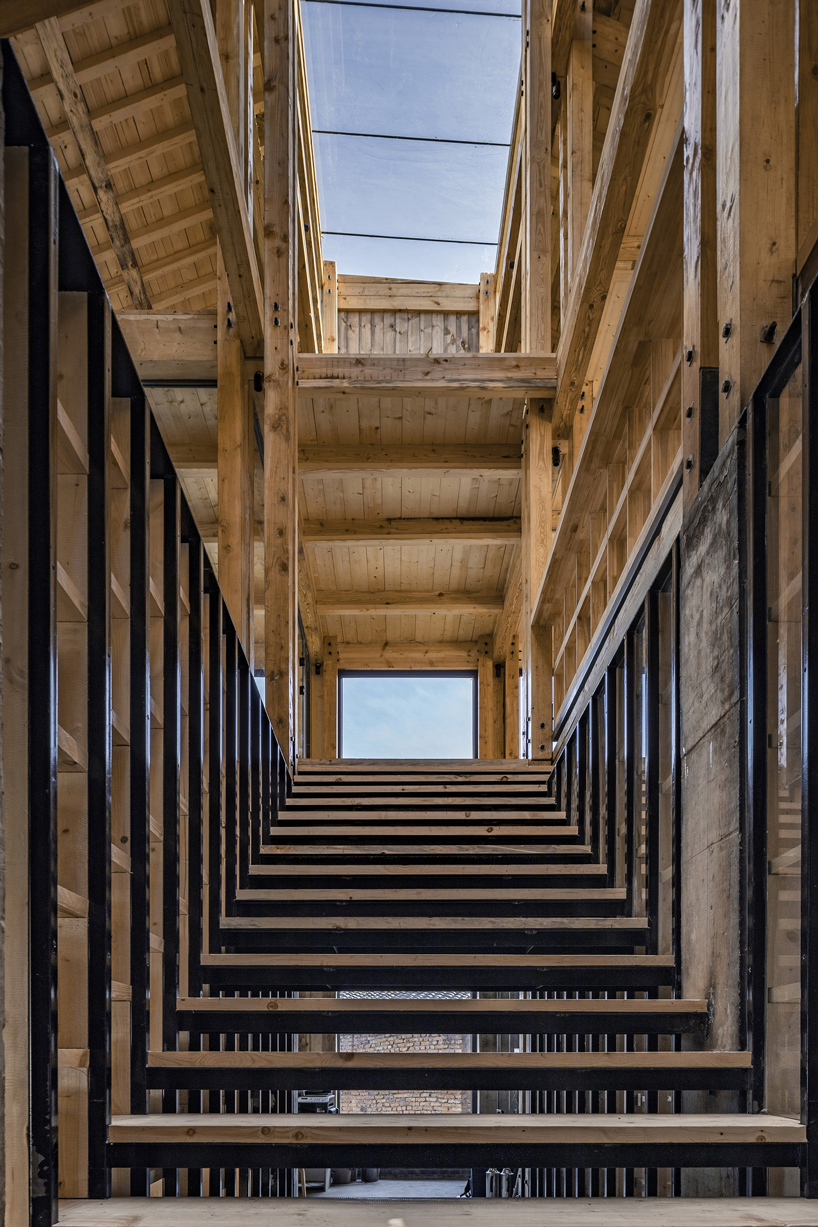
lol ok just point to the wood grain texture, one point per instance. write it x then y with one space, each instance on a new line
411 531
416 374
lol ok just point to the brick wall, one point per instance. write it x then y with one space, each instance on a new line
405 1101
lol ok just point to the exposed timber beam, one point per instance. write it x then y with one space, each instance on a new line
19 15
138 197
172 346
198 53
653 32
128 107
512 375
413 655
169 264
487 460
79 121
409 602
152 146
410 532
391 294
112 59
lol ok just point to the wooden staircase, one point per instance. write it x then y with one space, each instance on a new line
434 878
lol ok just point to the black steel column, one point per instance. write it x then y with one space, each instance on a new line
42 679
809 753
651 734
214 754
99 746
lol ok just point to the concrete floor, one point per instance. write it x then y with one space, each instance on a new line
393 1190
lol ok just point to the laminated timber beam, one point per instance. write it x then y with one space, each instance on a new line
79 123
414 655
172 346
487 460
653 33
410 532
198 52
510 375
409 602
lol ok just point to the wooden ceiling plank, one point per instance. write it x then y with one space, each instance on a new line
76 110
169 264
124 108
324 460
147 193
159 143
112 59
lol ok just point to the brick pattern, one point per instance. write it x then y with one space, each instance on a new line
405 1101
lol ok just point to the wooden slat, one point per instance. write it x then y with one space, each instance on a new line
407 869
470 849
79 121
537 961
527 924
512 375
525 1009
112 59
413 894
451 654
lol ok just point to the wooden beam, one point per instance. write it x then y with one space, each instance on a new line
235 469
756 210
536 546
145 236
536 178
79 120
330 305
169 264
112 59
508 624
198 52
330 673
280 322
700 338
653 33
19 15
487 460
306 605
156 189
448 654
128 107
152 146
511 375
410 532
579 107
171 346
488 744
511 697
394 294
488 313
409 602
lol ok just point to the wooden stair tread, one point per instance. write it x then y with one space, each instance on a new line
524 923
421 850
438 960
305 830
450 1060
486 780
410 1006
473 766
546 869
451 1212
408 807
400 894
380 1128
437 789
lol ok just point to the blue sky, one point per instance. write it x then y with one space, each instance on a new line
394 72
407 717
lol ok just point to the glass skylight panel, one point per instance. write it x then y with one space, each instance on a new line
376 74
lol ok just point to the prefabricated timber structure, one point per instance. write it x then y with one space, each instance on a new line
232 473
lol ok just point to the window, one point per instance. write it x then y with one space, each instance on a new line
417 714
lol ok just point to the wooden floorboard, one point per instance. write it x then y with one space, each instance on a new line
365 1212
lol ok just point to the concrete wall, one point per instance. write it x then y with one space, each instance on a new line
711 775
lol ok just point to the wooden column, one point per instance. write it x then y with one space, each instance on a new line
485 698
235 468
755 207
280 316
330 307
579 116
512 700
536 544
536 170
700 342
330 688
487 312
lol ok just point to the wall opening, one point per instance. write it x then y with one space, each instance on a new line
407 714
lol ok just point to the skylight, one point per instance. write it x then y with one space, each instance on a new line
412 110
